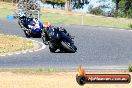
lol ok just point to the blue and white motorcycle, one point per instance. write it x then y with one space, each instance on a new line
32 27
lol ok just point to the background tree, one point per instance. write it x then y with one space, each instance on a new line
117 6
55 2
128 8
77 4
96 11
123 8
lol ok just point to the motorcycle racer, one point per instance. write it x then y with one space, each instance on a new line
47 26
35 24
31 26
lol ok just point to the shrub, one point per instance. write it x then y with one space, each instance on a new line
130 68
130 25
96 11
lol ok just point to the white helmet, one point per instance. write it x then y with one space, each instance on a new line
21 14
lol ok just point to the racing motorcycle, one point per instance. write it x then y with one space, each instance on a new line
32 27
58 38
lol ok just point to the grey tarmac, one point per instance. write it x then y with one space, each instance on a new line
98 48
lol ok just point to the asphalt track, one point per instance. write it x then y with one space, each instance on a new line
98 48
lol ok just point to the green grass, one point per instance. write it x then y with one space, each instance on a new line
55 18
5 12
88 20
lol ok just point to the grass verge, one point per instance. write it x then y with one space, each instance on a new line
11 43
38 70
130 68
91 20
63 17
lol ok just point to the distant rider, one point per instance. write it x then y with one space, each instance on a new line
34 24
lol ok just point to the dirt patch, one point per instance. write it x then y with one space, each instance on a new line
54 80
11 43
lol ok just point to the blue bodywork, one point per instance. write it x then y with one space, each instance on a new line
36 30
32 27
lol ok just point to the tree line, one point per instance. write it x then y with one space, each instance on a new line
123 8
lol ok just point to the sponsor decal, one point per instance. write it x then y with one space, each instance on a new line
83 78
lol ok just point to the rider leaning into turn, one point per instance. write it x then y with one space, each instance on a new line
47 26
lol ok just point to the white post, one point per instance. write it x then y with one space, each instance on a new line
82 19
12 3
38 14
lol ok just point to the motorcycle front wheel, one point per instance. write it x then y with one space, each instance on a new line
68 47
52 48
44 39
27 33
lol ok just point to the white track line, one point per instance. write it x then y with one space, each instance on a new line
10 54
30 51
43 46
17 53
2 55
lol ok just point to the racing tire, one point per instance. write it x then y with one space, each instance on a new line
68 48
20 24
44 39
81 80
27 33
52 48
75 48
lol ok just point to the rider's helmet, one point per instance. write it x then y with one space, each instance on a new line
21 14
46 24
35 20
